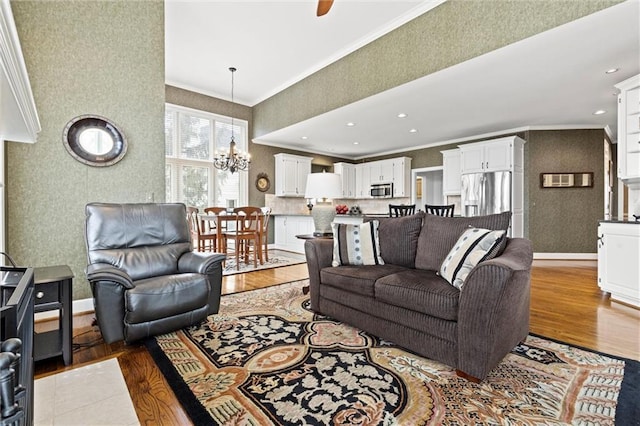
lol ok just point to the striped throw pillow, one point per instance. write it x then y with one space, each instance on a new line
356 244
474 246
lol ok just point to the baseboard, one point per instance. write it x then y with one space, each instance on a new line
566 256
79 306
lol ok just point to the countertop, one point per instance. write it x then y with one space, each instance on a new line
622 222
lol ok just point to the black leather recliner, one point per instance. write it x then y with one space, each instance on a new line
144 275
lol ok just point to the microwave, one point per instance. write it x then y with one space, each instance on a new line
381 190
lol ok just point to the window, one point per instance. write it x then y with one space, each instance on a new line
191 139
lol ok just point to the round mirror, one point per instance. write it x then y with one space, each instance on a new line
94 140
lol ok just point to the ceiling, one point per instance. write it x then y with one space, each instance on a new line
555 79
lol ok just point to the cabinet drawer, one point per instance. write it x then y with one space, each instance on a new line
633 123
47 293
633 142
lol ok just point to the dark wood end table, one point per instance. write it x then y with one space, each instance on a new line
53 288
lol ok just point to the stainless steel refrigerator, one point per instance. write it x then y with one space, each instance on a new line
485 193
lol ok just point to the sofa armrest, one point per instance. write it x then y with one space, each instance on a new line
209 264
200 263
108 286
319 254
105 272
493 314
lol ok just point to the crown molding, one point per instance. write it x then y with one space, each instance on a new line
19 122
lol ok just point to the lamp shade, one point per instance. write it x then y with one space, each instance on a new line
323 185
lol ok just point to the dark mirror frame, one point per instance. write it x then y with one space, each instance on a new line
566 180
71 140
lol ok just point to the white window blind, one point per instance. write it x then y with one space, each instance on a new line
191 139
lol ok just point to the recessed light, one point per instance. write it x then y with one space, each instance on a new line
612 70
304 138
402 115
351 124
413 131
356 143
599 112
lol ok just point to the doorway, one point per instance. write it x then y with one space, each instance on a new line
426 186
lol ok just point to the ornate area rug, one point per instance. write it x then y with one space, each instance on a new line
277 258
266 359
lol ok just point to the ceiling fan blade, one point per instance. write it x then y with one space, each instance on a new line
323 7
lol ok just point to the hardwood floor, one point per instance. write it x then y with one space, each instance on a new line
566 305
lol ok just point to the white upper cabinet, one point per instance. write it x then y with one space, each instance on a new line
451 172
291 174
347 173
488 156
401 176
381 171
363 181
629 131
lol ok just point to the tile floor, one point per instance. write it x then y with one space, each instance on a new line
95 394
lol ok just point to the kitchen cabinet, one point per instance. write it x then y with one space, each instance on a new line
629 131
401 176
451 172
291 175
489 156
286 229
380 171
363 181
618 254
393 170
347 173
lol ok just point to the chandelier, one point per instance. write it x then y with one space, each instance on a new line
231 160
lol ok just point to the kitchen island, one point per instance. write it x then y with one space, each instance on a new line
619 260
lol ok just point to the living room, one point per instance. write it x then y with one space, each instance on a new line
107 58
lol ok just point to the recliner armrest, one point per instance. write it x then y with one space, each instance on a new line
105 272
200 263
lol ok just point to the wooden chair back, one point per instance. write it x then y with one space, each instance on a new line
397 210
201 238
444 210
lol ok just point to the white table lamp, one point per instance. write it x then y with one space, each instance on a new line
323 187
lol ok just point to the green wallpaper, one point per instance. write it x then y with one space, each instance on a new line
453 32
564 220
84 57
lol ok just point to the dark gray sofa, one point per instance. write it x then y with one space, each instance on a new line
406 302
144 276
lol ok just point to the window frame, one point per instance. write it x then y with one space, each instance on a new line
175 191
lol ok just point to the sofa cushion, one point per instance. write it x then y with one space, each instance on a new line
399 239
357 279
420 291
440 233
165 296
356 244
474 246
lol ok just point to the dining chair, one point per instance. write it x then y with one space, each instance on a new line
246 235
444 210
211 224
266 213
397 210
203 239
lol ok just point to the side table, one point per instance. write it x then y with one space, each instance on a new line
53 285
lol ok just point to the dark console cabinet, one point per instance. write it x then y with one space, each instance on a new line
16 292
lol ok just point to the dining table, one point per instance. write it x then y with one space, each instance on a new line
230 217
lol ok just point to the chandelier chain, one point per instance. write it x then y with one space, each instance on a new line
232 160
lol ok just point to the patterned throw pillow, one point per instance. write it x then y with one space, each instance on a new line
356 244
474 246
